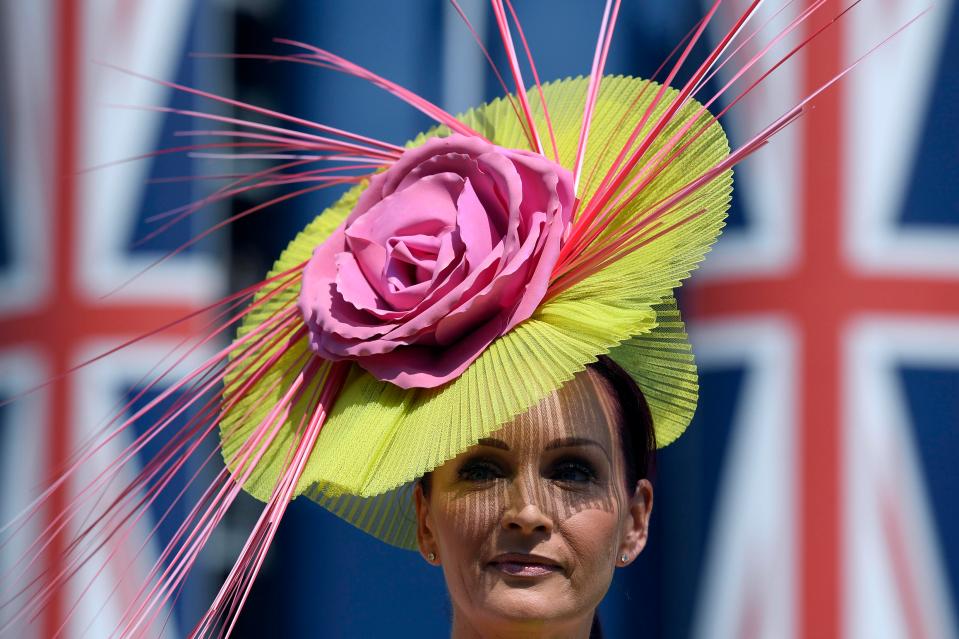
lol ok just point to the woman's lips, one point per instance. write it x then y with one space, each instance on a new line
517 565
524 570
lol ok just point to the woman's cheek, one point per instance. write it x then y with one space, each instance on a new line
466 527
475 514
593 538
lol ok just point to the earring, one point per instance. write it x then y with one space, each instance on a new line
431 556
624 558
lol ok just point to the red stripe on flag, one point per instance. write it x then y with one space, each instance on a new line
67 320
820 438
67 43
70 320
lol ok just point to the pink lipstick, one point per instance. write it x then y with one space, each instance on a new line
524 565
525 570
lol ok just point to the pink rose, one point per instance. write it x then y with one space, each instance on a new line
445 251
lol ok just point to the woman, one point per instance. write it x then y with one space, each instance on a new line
528 525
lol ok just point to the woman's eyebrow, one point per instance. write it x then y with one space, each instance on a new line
567 442
495 443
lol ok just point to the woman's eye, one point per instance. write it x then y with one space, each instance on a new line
572 471
480 471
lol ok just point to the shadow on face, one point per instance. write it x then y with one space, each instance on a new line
530 523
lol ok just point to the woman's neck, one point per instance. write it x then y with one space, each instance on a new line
465 628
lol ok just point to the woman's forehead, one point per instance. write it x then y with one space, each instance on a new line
582 408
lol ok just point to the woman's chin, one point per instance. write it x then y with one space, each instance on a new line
517 599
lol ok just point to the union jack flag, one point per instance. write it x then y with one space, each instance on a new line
835 294
73 240
826 323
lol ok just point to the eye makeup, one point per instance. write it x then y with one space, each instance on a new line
567 467
572 469
480 469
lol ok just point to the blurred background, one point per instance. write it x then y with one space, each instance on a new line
814 496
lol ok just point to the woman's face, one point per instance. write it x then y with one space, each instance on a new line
530 523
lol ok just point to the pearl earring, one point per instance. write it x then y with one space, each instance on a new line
624 558
431 556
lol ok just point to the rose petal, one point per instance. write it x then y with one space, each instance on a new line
352 284
474 226
448 298
498 294
348 322
418 251
425 367
472 147
509 188
427 207
451 248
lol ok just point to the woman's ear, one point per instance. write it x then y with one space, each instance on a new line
637 523
425 539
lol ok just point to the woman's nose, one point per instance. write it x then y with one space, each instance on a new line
526 513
